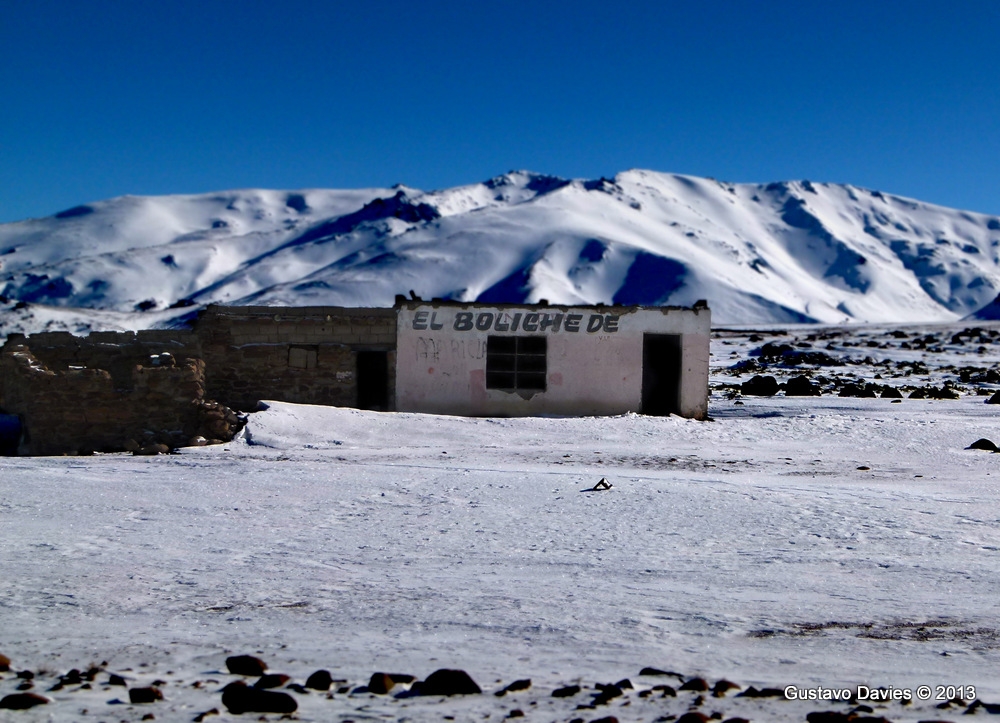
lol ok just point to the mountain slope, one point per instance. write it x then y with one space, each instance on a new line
779 252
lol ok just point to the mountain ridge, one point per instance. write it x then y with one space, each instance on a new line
781 252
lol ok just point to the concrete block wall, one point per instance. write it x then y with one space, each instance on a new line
302 355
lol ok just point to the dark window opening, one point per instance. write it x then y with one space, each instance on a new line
661 374
516 363
373 380
10 434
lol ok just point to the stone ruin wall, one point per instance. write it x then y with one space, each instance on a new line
102 392
78 411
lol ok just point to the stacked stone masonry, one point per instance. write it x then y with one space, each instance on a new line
109 389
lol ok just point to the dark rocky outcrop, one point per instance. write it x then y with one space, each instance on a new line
150 694
760 386
22 701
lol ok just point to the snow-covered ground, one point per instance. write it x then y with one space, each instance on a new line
790 541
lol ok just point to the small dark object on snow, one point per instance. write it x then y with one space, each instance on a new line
246 665
144 695
995 399
722 687
606 719
117 680
448 682
566 692
522 684
752 692
4 663
693 717
800 386
320 680
22 701
240 698
202 716
983 443
760 386
600 486
271 680
657 671
380 683
697 684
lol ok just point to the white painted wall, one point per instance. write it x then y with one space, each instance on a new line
594 358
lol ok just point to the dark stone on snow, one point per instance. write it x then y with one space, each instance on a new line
752 692
800 386
668 691
829 716
202 716
891 392
607 693
320 680
25 675
995 399
567 691
4 663
774 350
271 680
736 720
722 687
71 678
22 701
144 695
697 684
606 719
760 386
625 684
693 717
380 683
246 665
983 444
657 671
117 680
449 682
240 698
522 684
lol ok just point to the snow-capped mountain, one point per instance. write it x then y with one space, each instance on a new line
779 252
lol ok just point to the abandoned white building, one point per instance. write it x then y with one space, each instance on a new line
64 393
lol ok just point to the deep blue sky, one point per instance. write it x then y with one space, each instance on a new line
103 98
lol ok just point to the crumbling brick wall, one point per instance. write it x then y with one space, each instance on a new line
80 410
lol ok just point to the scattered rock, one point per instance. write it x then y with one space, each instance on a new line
891 392
380 683
152 450
246 665
522 684
983 443
144 695
606 693
117 680
567 691
606 719
271 680
239 698
722 687
800 386
448 682
22 701
693 717
760 386
829 716
995 399
4 663
320 680
696 684
657 672
752 692
601 486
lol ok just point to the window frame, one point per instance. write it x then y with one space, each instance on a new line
517 363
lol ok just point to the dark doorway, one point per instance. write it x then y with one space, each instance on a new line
10 434
661 374
373 380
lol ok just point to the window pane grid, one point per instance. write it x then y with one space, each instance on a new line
516 363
